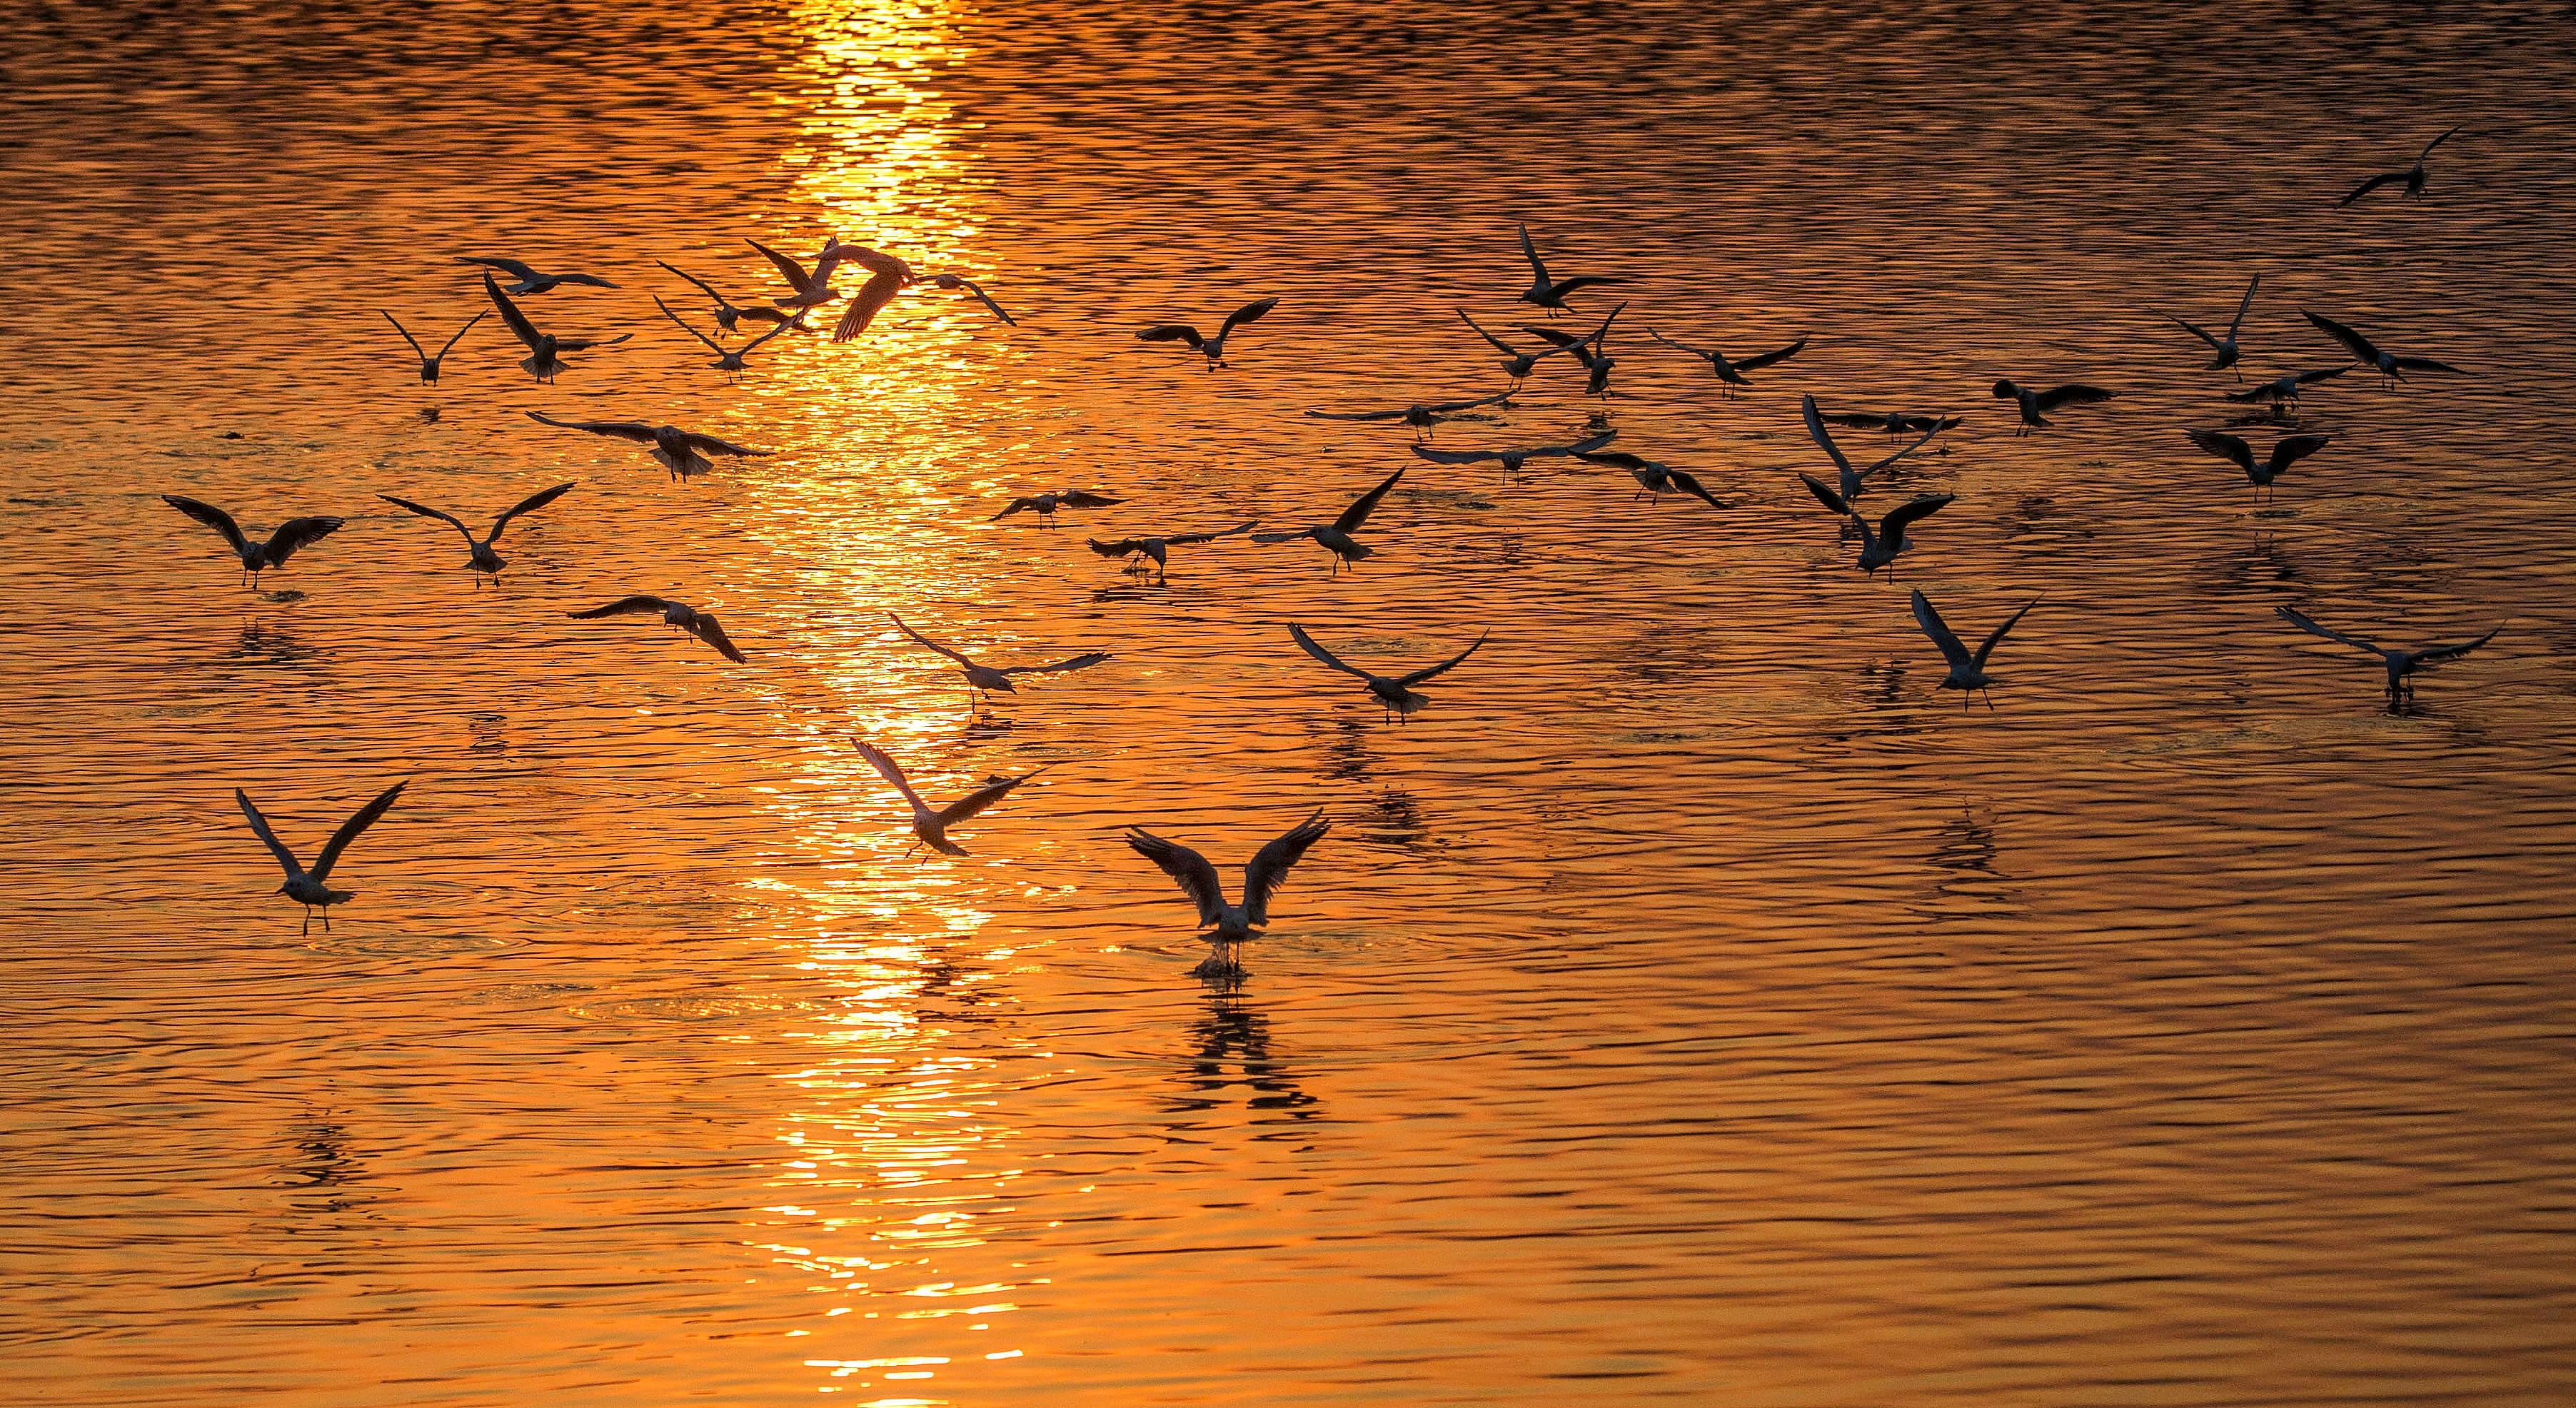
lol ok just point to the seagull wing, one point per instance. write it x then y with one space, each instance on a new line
1997 637
1361 415
1501 346
530 504
1455 456
519 325
2312 628
1816 430
1586 281
1085 498
1013 507
1197 878
1825 494
2310 378
2374 183
2431 654
1365 505
267 837
2359 346
1668 342
1175 539
932 646
1061 667
1283 537
1559 336
2289 450
635 430
1580 447
1891 529
783 326
584 344
2073 394
1172 332
1936 428
210 516
592 280
703 286
2428 151
426 511
712 344
295 533
2229 447
511 267
1306 643
1929 618
1616 459
1126 546
2194 329
407 337
2426 364
349 830
1445 406
1248 313
1530 252
1855 420
623 606
1759 360
707 629
710 445
2238 325
788 269
886 280
1688 484
1444 667
980 296
887 769
981 798
1268 869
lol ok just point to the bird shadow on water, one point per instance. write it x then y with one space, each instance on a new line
266 643
1230 1060
1963 866
321 1174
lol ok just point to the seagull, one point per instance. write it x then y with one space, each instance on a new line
1728 373
2400 663
982 680
1598 361
2286 451
1421 417
954 282
1336 535
1967 671
1045 505
542 361
1893 422
1517 364
1396 693
726 313
2283 392
428 363
931 827
1212 347
2034 402
682 452
728 362
2391 367
303 886
811 289
1879 548
1550 293
1652 478
2413 176
698 623
481 559
1852 478
1512 460
2225 347
889 276
1158 548
530 281
257 557
1233 923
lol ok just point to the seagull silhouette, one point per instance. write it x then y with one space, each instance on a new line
1513 459
701 624
1230 924
306 887
931 827
2401 664
1395 693
728 360
1893 422
1211 347
1730 373
2391 367
1550 293
1045 505
1879 547
1517 364
1853 481
1336 535
1421 416
1597 361
481 560
726 313
2413 176
680 451
1652 478
811 290
1159 548
983 680
2282 393
2225 347
1967 671
2033 402
428 363
889 276
256 557
532 282
544 348
2286 451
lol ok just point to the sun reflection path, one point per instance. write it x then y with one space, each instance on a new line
878 151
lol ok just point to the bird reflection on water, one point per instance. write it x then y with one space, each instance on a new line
1231 1063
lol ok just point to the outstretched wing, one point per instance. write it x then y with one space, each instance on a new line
592 280
1759 360
2431 654
1825 494
210 516
1586 281
1084 498
1125 546
530 504
712 344
259 824
887 769
2425 364
1444 667
1446 406
1530 251
788 269
1266 538
1929 618
1361 415
1580 447
460 333
512 267
2374 183
1668 342
1891 529
783 326
295 533
1248 313
2238 324
1197 878
635 430
1996 638
886 278
1935 428
407 337
2338 637
1181 538
706 628
520 327
584 344
2310 378
1306 643
1079 662
349 830
1454 456
2073 394
1365 505
1616 459
981 798
931 646
1688 484
623 606
703 286
1501 346
1856 420
2359 346
710 445
1012 507
961 281
2429 146
426 511
2231 448
1171 332
2193 328
1268 869
2291 449
1816 431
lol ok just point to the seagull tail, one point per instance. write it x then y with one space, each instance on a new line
1360 550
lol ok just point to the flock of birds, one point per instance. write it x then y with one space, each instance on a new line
684 453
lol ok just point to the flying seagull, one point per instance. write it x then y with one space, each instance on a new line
2400 663
306 887
2282 393
480 558
542 361
811 290
1893 422
1045 505
931 827
1852 480
1729 373
1879 547
682 452
2033 402
428 363
1517 364
2286 451
1395 693
1159 548
532 282
2225 347
2413 176
1550 293
1597 361
256 557
701 624
1231 924
1967 671
726 313
983 680
1212 347
1652 478
1512 460
2390 366
1422 417
889 276
728 360
1336 535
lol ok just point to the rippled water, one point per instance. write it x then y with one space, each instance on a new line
1694 1004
